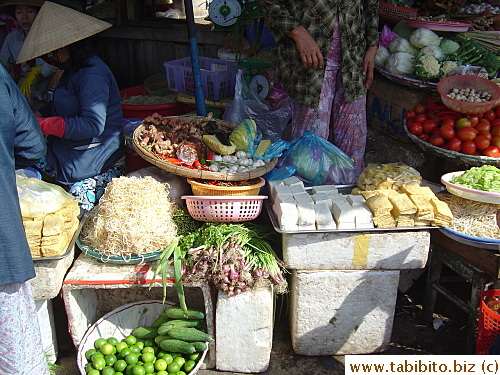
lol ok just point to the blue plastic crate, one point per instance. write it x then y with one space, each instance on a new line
217 76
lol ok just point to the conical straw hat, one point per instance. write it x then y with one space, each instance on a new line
57 26
35 3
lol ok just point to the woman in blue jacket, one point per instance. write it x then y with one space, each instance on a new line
21 145
83 122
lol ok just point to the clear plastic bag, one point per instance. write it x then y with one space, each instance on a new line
318 161
39 198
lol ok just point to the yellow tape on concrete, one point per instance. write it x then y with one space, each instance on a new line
361 244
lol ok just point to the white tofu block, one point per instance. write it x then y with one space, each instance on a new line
354 199
293 180
322 197
323 214
324 188
296 189
336 197
307 227
280 190
364 225
342 212
326 226
288 216
346 225
362 214
307 215
271 185
303 198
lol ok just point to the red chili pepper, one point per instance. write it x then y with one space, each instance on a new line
210 155
197 164
174 161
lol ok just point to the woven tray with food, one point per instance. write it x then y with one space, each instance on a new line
203 147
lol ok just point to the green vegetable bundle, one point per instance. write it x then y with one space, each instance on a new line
485 178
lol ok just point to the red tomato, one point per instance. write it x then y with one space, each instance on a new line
489 115
492 151
448 121
410 114
481 142
486 134
454 144
420 108
424 137
497 111
446 131
468 147
420 118
436 140
463 122
483 126
496 121
429 125
473 120
416 128
495 130
466 134
495 141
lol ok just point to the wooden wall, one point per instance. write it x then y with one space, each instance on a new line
134 53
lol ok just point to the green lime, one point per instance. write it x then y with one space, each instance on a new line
99 362
140 344
88 354
149 367
160 354
148 357
161 372
149 349
173 367
110 359
161 364
189 365
134 348
88 367
180 373
95 355
176 355
168 357
180 360
120 346
125 352
107 348
130 340
120 365
138 370
194 356
99 342
131 358
118 373
112 340
94 372
108 370
149 342
128 370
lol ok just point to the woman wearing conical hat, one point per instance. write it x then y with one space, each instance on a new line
32 76
83 122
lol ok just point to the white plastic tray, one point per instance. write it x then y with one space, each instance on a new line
471 194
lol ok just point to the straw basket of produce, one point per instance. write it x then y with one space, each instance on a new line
201 147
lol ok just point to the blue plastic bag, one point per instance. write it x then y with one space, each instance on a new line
318 161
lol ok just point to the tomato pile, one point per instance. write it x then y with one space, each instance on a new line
469 134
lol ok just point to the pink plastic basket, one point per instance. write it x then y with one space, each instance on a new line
224 208
217 76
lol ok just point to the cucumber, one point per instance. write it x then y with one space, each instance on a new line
177 313
200 346
162 318
163 329
145 332
160 338
189 334
178 346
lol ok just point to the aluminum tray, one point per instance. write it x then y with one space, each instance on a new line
484 243
277 228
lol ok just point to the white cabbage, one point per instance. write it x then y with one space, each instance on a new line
381 56
433 50
402 45
424 37
400 63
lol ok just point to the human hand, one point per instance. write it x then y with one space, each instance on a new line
308 48
29 80
369 65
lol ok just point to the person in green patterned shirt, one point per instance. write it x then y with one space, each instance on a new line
326 60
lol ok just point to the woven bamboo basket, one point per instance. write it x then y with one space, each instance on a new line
204 189
198 173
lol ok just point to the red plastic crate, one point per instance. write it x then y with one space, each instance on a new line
217 76
488 326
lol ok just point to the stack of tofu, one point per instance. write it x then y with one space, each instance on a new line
323 208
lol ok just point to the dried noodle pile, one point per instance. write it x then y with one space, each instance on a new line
134 217
473 218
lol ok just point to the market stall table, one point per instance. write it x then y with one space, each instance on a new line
476 262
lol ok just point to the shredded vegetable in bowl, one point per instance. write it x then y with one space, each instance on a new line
134 217
485 178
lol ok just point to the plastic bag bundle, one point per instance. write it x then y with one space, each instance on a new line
318 161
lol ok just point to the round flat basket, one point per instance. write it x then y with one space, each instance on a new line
133 259
224 209
467 159
120 322
198 173
204 189
406 81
